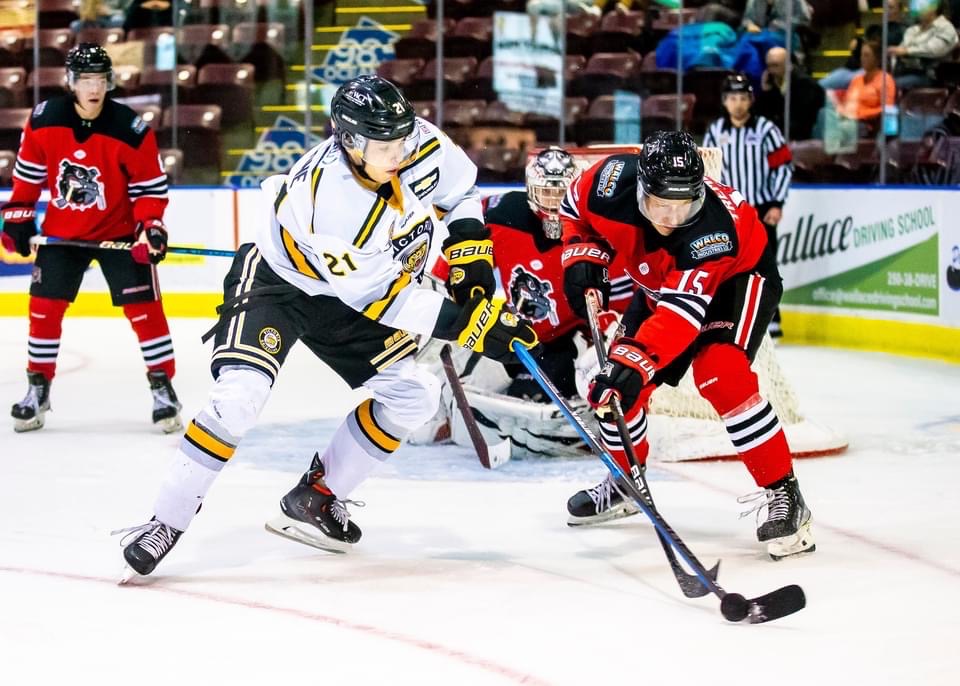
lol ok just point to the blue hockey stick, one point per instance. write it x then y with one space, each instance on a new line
127 245
734 607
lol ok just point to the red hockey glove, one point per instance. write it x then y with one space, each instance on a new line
627 371
585 266
486 327
151 246
471 266
19 226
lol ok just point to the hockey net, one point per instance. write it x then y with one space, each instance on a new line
684 426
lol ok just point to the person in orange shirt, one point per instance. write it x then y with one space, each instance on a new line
863 97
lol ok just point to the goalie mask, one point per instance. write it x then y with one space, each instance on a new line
374 123
670 190
549 174
88 58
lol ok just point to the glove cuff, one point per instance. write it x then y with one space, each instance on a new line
596 253
466 252
18 212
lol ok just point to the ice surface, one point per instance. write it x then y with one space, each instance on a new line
465 576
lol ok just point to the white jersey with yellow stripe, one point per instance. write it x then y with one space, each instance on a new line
331 233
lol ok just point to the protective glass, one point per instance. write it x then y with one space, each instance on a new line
388 154
668 212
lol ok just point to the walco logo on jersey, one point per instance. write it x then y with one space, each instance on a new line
712 244
78 187
609 176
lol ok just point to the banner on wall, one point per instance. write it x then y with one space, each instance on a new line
864 249
278 149
359 50
527 62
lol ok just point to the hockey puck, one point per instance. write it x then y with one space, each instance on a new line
734 607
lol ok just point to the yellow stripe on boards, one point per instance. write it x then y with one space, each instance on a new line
380 438
901 338
93 304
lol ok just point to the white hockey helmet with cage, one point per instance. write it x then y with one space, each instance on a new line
549 174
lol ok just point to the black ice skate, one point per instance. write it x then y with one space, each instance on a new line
601 503
786 530
313 515
28 413
151 543
166 407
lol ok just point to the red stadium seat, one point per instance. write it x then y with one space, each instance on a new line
605 72
546 128
161 81
12 121
470 38
13 87
7 159
57 14
198 133
54 45
455 72
172 160
420 42
231 87
619 32
580 30
401 72
51 80
462 113
101 36
262 45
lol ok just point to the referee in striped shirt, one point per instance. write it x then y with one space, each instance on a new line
756 158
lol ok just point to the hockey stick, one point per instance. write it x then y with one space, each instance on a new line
689 584
489 459
734 607
127 245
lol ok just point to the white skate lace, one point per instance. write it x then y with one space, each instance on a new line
340 512
161 398
775 500
157 539
601 495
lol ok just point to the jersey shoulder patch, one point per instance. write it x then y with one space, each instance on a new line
613 191
52 112
123 123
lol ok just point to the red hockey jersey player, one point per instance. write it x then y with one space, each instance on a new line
101 164
709 286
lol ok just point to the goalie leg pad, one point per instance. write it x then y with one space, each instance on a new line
723 376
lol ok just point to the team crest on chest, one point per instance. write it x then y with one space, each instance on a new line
78 187
411 248
531 296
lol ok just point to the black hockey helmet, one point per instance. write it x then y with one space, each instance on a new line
670 190
549 174
88 58
738 83
370 108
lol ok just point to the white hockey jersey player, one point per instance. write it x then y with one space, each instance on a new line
337 266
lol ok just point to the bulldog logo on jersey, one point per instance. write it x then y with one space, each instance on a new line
78 187
410 248
531 296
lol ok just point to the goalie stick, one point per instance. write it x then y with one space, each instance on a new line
734 606
488 458
689 583
127 245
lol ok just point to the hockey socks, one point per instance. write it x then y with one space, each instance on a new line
43 345
723 376
150 325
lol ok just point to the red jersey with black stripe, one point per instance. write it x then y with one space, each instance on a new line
677 274
104 174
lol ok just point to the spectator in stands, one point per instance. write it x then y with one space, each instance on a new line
862 100
94 14
840 78
552 7
806 96
772 15
942 157
923 45
143 14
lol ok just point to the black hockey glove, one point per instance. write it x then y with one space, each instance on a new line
585 264
488 328
469 252
155 248
627 371
19 226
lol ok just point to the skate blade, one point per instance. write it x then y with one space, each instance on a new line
800 542
298 531
618 512
170 424
23 425
127 575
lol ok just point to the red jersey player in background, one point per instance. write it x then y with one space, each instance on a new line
102 166
709 285
526 233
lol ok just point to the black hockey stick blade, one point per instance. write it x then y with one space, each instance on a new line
690 584
479 443
766 608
